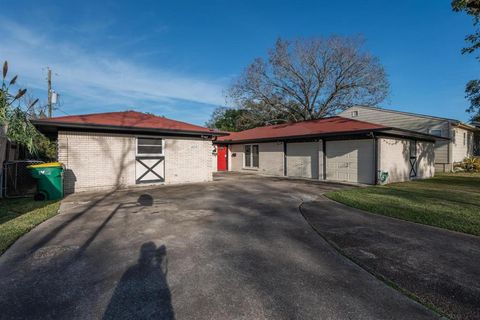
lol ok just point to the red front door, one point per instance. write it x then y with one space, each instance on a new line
221 158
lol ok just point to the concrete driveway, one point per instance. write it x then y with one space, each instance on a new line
440 267
237 248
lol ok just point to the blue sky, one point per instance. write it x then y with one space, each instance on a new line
175 58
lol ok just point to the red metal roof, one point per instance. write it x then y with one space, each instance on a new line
304 128
131 119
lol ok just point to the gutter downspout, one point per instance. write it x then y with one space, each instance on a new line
375 157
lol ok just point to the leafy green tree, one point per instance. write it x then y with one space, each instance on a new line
472 89
14 119
226 119
254 114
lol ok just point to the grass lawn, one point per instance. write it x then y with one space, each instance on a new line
18 216
450 201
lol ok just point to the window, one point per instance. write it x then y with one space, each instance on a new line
354 114
251 156
149 146
464 138
436 132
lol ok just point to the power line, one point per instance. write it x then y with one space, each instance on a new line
66 113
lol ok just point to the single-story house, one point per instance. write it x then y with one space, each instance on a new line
335 149
119 149
461 142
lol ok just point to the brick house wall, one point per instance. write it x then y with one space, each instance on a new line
101 161
394 158
188 160
271 159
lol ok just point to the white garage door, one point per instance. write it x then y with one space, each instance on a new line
350 160
302 159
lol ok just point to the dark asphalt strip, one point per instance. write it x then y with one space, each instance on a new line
380 277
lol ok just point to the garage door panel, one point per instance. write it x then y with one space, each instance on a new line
350 160
302 159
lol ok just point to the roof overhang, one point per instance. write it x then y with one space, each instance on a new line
465 126
408 134
52 127
359 134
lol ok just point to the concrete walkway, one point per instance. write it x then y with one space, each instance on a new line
232 249
441 267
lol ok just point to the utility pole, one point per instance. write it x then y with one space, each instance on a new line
49 79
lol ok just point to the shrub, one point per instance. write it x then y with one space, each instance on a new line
469 164
14 118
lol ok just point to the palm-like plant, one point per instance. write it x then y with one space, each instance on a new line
13 118
471 164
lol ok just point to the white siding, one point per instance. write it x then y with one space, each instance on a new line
461 148
441 151
397 120
407 122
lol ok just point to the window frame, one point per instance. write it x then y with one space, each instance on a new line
251 156
438 135
149 154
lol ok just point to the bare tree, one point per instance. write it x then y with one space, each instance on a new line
310 79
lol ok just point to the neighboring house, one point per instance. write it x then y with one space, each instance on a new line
335 149
119 149
460 145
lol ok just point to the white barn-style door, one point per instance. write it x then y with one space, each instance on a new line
149 160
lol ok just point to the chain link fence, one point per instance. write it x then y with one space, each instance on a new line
17 180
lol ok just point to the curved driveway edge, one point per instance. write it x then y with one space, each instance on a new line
440 267
224 250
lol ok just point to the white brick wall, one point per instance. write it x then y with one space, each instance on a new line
394 158
271 158
188 160
96 161
425 160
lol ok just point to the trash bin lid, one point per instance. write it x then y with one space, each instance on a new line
46 165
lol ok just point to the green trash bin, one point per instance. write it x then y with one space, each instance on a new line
49 178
